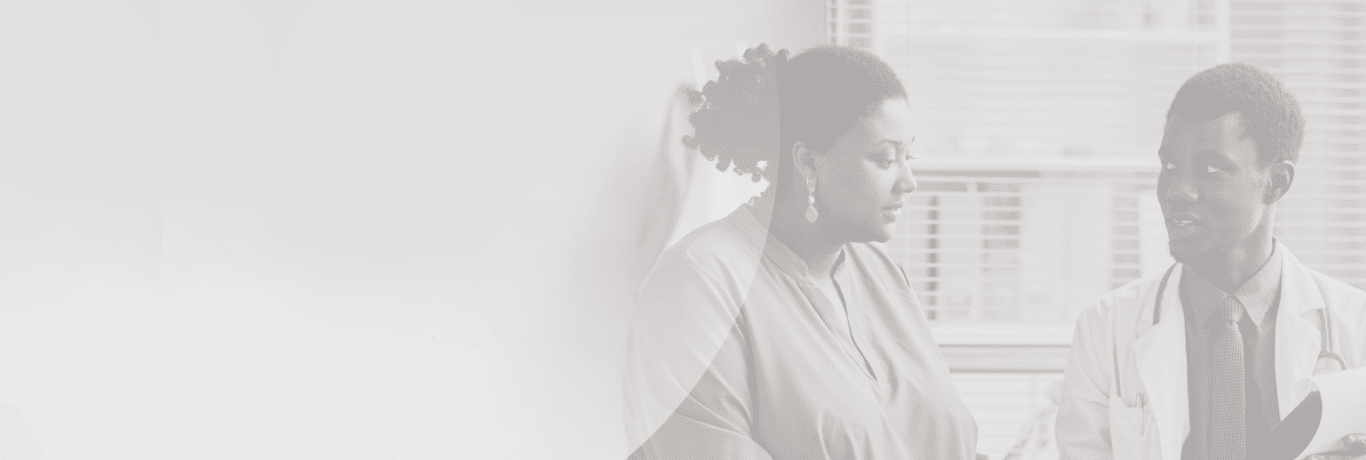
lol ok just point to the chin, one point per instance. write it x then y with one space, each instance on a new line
1186 252
883 235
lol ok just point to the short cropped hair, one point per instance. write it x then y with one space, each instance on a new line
1270 113
827 89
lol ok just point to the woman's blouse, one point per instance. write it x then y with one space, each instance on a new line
736 353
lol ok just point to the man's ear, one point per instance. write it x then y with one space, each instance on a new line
1282 175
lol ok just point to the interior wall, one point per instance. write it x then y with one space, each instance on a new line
333 229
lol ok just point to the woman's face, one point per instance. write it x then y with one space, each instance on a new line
862 180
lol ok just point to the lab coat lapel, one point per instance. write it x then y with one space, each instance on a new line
1160 353
1297 336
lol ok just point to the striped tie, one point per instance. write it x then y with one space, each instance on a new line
1227 393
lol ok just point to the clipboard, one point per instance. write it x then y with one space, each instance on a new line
1334 407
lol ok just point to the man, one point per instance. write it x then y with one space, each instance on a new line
1200 362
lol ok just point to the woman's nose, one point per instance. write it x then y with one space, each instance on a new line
906 182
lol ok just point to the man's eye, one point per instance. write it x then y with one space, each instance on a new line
1168 166
1212 169
886 163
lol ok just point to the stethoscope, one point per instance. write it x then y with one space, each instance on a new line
1325 339
1140 399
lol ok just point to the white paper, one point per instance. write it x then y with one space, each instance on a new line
1344 408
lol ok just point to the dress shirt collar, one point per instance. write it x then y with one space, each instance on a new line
1256 295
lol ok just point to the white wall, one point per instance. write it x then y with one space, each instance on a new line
332 229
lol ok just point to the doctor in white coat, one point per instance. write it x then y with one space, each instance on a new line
1153 372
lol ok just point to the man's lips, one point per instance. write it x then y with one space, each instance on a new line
1183 225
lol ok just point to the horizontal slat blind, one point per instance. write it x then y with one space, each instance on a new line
1318 48
1048 77
1014 413
986 242
1038 124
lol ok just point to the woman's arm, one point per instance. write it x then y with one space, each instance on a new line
713 421
686 378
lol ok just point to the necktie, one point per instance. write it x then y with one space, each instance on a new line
1227 393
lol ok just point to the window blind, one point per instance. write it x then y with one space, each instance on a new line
1318 49
1027 243
1038 124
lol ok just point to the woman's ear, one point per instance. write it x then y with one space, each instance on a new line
804 160
1282 175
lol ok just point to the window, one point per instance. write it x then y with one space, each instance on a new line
1074 93
1038 126
1039 123
1319 51
1028 243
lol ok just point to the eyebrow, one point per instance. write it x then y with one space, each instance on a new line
1164 154
1211 153
877 146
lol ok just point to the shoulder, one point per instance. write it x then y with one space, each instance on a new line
702 279
1336 289
712 250
873 257
1342 297
1128 300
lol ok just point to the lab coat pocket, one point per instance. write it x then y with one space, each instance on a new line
1131 428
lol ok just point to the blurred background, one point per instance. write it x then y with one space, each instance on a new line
409 229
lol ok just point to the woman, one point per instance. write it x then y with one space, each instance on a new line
781 331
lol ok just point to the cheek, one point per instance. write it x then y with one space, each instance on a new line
872 185
852 190
1236 205
880 184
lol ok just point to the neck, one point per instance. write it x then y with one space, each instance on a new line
1229 270
805 239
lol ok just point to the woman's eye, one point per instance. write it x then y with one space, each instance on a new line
1212 169
1168 166
886 163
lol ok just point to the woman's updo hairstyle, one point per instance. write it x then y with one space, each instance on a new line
758 108
737 118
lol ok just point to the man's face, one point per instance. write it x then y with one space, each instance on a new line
1215 191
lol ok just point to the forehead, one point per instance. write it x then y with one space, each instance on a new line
1184 135
891 120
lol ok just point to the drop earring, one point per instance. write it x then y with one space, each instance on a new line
811 214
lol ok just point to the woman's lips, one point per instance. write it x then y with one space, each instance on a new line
892 212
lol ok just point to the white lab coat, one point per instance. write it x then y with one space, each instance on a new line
1144 413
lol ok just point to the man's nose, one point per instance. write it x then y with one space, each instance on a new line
1179 188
